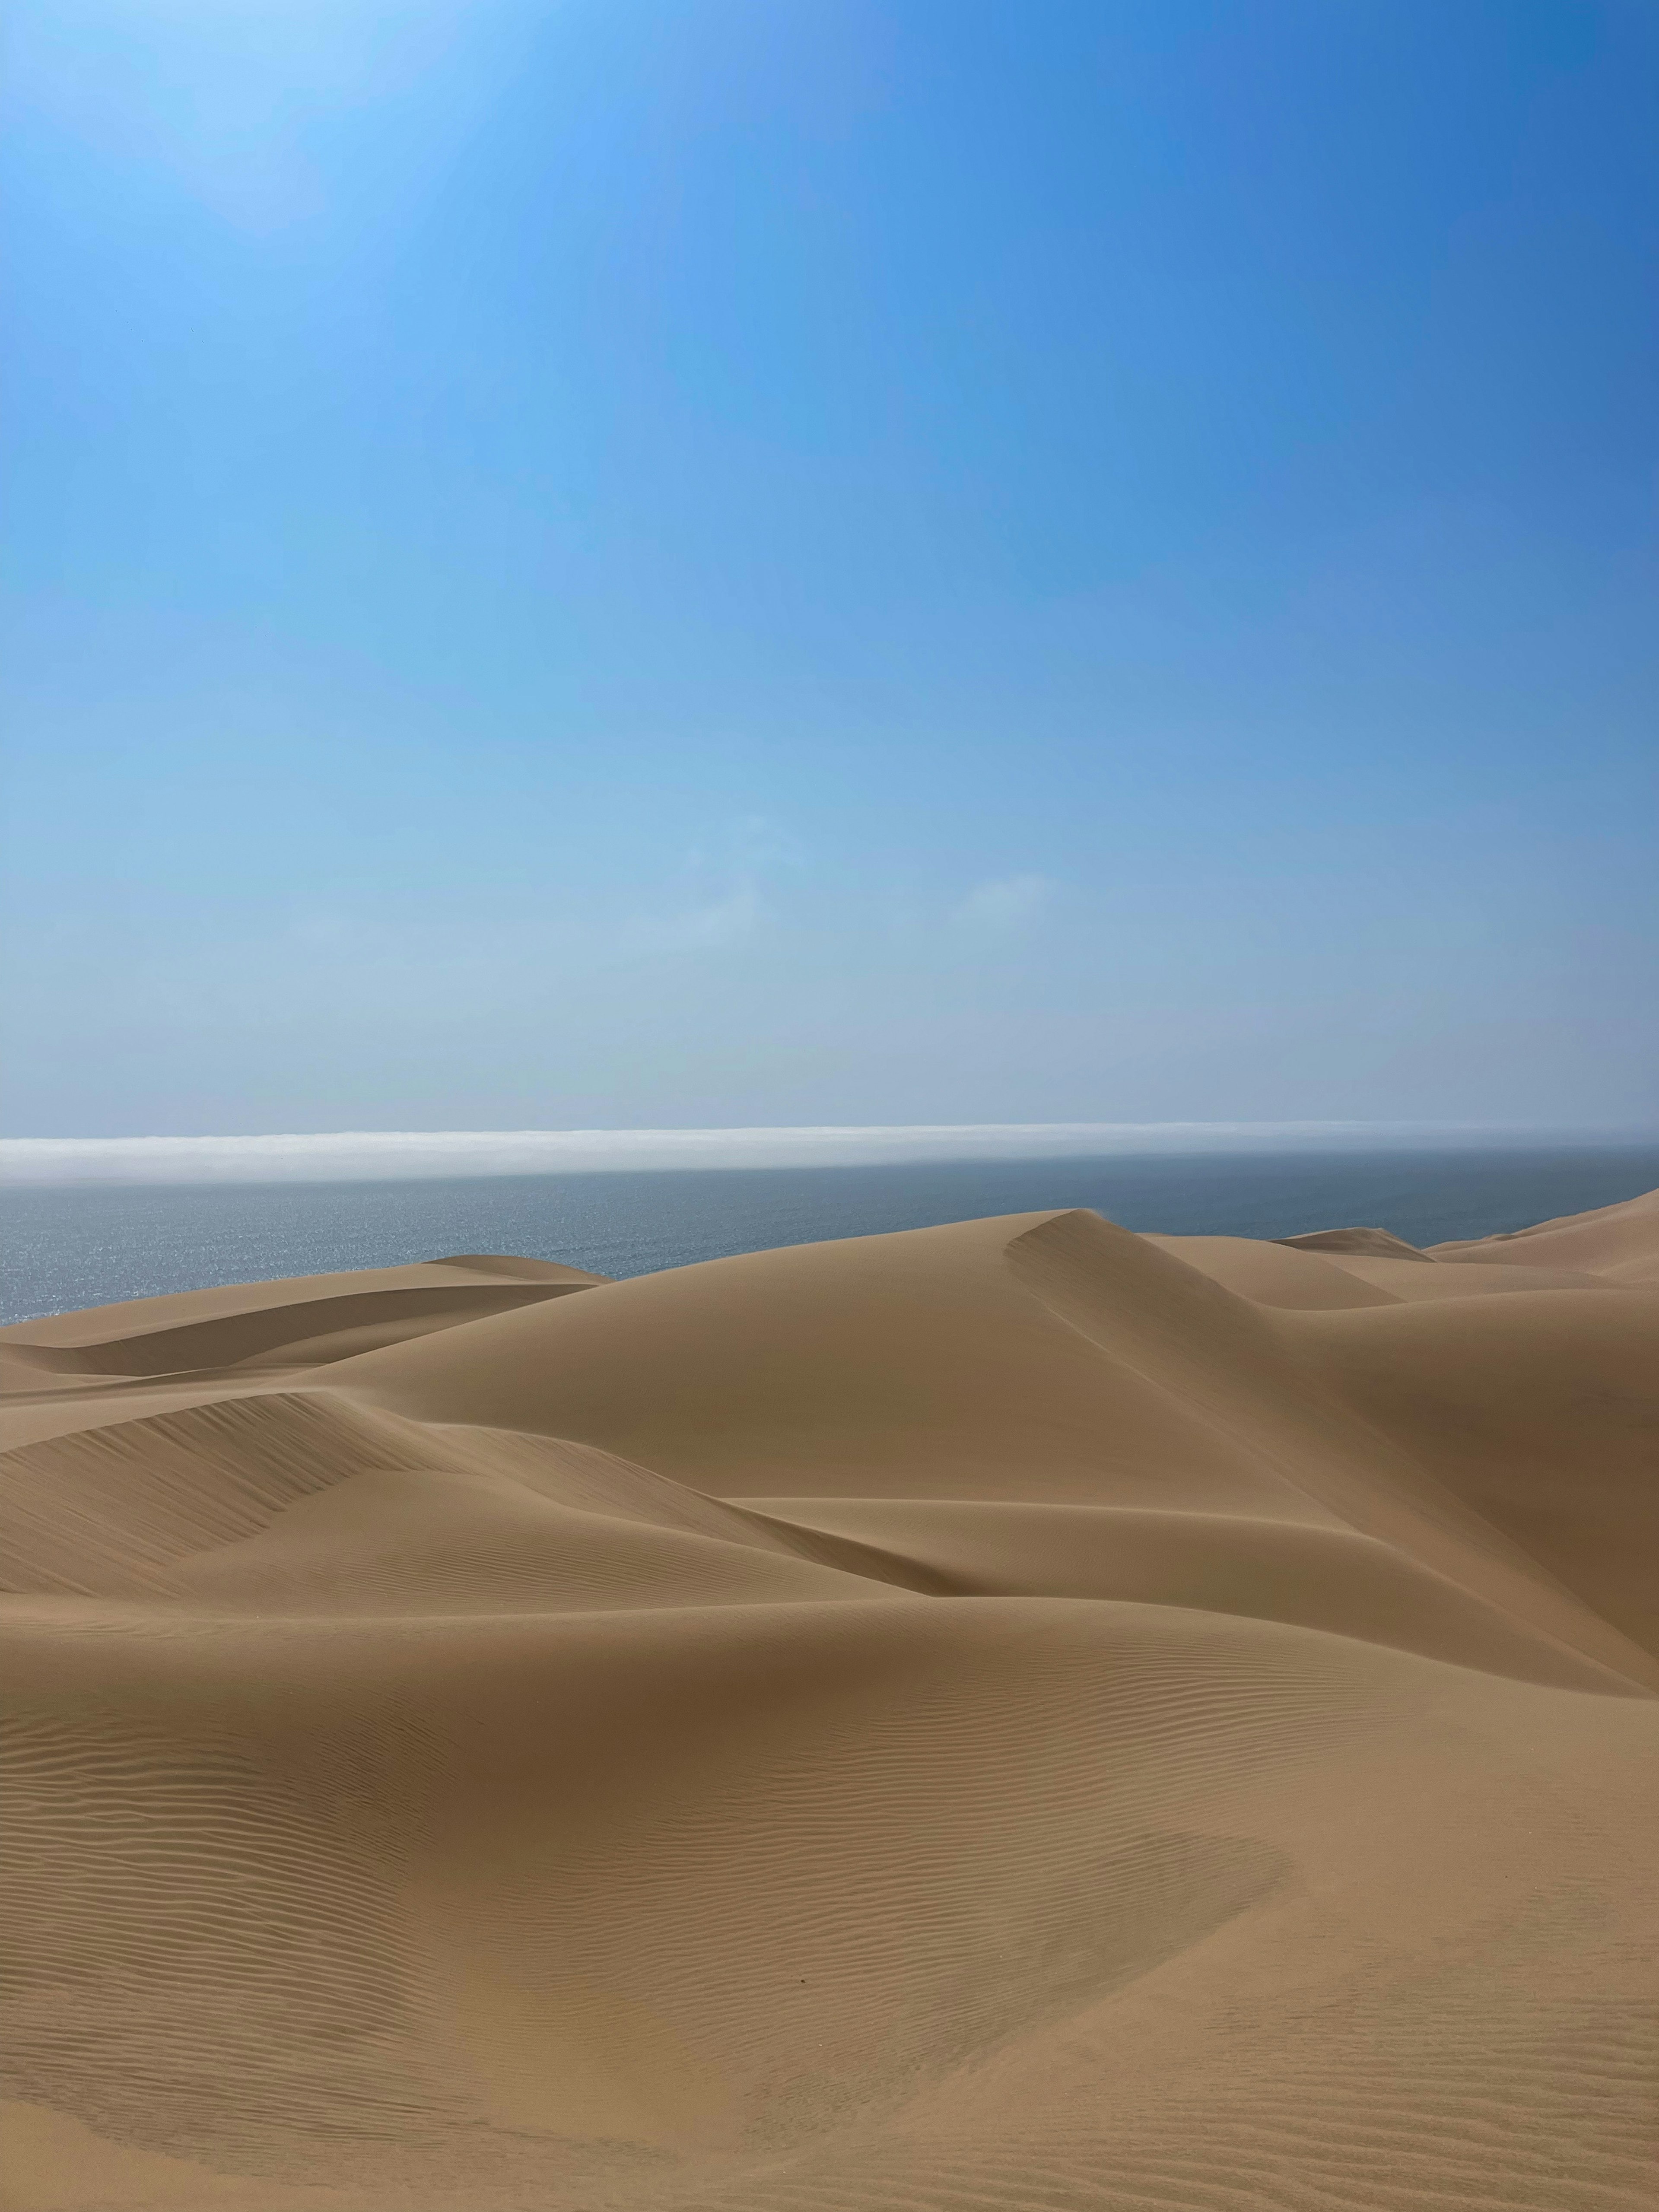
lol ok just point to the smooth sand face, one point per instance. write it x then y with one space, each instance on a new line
1009 1715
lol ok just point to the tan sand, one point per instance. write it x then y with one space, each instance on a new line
1004 1715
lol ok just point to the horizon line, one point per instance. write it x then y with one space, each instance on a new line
387 1155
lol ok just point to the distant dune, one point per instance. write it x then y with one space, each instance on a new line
1002 1715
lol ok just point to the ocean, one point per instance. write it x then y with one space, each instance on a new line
64 1248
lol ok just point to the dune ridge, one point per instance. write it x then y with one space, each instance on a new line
1011 1714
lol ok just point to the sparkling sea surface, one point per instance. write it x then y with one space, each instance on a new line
71 1247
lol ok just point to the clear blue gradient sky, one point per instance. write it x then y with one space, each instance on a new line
612 564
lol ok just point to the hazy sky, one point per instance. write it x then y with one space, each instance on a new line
604 564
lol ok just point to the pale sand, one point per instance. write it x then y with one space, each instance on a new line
1014 1715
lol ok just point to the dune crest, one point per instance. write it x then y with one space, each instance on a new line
1361 1244
1619 1242
1007 1713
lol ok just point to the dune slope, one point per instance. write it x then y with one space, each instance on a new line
1015 1714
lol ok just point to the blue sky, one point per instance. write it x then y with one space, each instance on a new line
632 565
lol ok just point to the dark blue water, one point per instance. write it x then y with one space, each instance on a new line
90 1246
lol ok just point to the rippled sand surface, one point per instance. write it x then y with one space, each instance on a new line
1009 1715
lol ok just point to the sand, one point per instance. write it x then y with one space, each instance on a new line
1011 1715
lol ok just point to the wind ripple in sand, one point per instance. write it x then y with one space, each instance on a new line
1009 1715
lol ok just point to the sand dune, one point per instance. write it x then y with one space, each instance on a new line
292 1324
1621 1242
1010 1715
1361 1244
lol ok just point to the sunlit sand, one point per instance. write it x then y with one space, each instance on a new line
1017 1714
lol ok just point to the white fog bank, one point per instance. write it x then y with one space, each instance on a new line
360 1156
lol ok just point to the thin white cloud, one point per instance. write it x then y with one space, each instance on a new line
395 1156
708 927
1008 903
761 844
